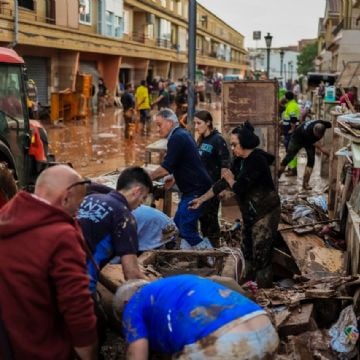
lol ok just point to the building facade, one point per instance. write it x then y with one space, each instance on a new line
118 40
339 35
283 62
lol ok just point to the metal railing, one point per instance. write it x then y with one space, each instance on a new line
352 23
28 16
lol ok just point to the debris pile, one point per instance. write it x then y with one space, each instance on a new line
313 304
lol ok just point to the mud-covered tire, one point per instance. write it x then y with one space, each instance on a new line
8 186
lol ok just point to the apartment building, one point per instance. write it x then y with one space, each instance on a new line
339 35
119 40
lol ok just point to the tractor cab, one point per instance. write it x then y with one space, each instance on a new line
23 143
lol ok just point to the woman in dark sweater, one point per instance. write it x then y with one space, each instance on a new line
215 156
250 179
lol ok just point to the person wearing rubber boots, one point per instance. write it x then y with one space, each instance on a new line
306 136
290 118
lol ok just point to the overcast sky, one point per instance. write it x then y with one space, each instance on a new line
287 20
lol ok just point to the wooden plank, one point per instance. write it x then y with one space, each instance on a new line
333 161
300 245
232 268
322 261
112 276
352 237
280 317
284 260
147 258
298 322
185 253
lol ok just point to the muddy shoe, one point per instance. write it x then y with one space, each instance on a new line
291 172
306 187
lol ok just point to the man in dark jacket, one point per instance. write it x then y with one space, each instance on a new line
306 136
183 161
45 303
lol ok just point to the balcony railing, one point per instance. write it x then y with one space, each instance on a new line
352 23
27 15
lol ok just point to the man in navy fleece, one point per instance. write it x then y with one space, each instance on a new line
182 160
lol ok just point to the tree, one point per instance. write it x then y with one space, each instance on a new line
305 61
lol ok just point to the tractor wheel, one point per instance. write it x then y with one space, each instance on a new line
8 186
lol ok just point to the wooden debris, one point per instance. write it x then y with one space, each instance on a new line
284 260
146 258
309 345
281 316
299 246
112 276
321 262
185 253
299 321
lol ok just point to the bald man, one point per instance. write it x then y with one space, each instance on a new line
306 136
45 303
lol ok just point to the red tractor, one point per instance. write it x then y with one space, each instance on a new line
23 142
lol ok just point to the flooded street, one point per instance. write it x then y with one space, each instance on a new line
97 145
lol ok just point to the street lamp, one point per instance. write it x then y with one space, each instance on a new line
290 69
268 39
282 53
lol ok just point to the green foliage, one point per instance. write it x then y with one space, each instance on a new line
305 61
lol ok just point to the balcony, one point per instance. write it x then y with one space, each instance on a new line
27 15
352 23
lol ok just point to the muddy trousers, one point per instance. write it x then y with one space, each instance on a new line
287 137
257 247
231 343
295 145
209 221
128 121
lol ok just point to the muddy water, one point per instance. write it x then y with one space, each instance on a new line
97 145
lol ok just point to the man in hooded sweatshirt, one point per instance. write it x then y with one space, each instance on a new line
45 303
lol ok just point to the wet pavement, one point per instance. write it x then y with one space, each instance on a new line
97 145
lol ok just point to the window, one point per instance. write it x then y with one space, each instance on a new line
164 33
109 18
85 11
28 4
12 96
126 21
171 5
118 27
150 31
163 3
179 8
186 11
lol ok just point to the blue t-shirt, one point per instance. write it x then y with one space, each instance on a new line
154 227
180 310
109 229
183 161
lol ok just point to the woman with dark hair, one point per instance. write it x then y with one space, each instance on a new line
215 156
250 179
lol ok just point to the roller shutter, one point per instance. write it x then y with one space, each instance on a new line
37 69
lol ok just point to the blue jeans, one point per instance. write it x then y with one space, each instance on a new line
187 220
